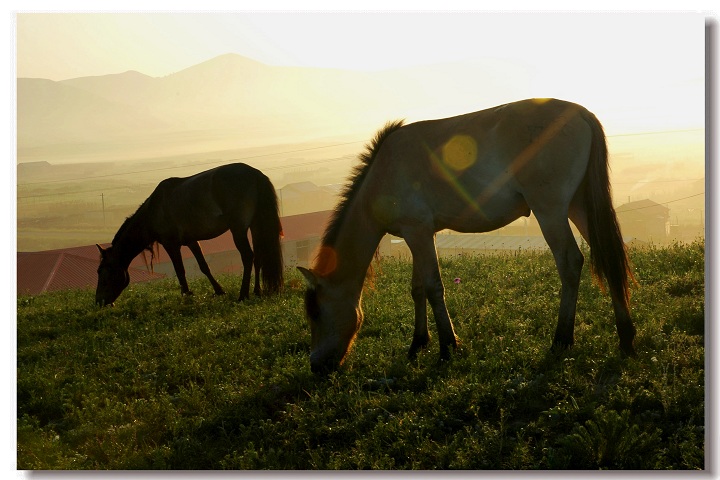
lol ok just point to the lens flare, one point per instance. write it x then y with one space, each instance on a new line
460 152
450 175
326 261
456 154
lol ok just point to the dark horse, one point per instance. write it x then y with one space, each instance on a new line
471 173
181 211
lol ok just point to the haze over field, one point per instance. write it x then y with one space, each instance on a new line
116 102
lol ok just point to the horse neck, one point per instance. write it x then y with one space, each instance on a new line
133 237
348 259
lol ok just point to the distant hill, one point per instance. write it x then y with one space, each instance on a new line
236 99
56 112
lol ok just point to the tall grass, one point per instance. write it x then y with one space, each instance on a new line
162 381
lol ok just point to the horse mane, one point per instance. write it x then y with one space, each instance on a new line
325 260
154 249
126 229
355 181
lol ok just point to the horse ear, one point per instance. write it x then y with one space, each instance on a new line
103 251
310 277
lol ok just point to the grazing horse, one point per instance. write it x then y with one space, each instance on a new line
471 173
181 211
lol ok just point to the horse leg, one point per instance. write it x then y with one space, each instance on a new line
624 325
569 261
258 267
174 254
204 268
243 245
623 322
427 278
421 335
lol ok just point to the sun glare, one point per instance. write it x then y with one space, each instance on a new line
460 152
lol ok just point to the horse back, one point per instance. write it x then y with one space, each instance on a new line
205 205
477 172
522 142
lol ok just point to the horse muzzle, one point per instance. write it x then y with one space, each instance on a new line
324 366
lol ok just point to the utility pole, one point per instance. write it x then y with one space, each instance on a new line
102 196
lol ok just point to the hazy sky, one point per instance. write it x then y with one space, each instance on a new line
66 45
648 63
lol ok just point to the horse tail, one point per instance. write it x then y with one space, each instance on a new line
608 254
266 233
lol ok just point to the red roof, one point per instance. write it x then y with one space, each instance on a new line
300 227
76 267
39 272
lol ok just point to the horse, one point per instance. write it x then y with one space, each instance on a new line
470 173
182 211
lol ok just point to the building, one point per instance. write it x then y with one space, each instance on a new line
303 197
644 219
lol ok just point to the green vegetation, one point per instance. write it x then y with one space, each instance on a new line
202 382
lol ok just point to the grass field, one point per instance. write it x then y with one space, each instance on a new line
202 382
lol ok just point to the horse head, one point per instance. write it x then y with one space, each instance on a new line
334 318
112 277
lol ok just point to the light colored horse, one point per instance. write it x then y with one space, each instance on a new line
471 173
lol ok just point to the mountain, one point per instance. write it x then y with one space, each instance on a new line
233 100
53 112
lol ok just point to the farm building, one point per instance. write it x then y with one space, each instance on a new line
302 237
644 219
302 197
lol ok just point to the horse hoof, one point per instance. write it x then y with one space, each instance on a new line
413 352
418 343
445 351
446 357
558 347
628 350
